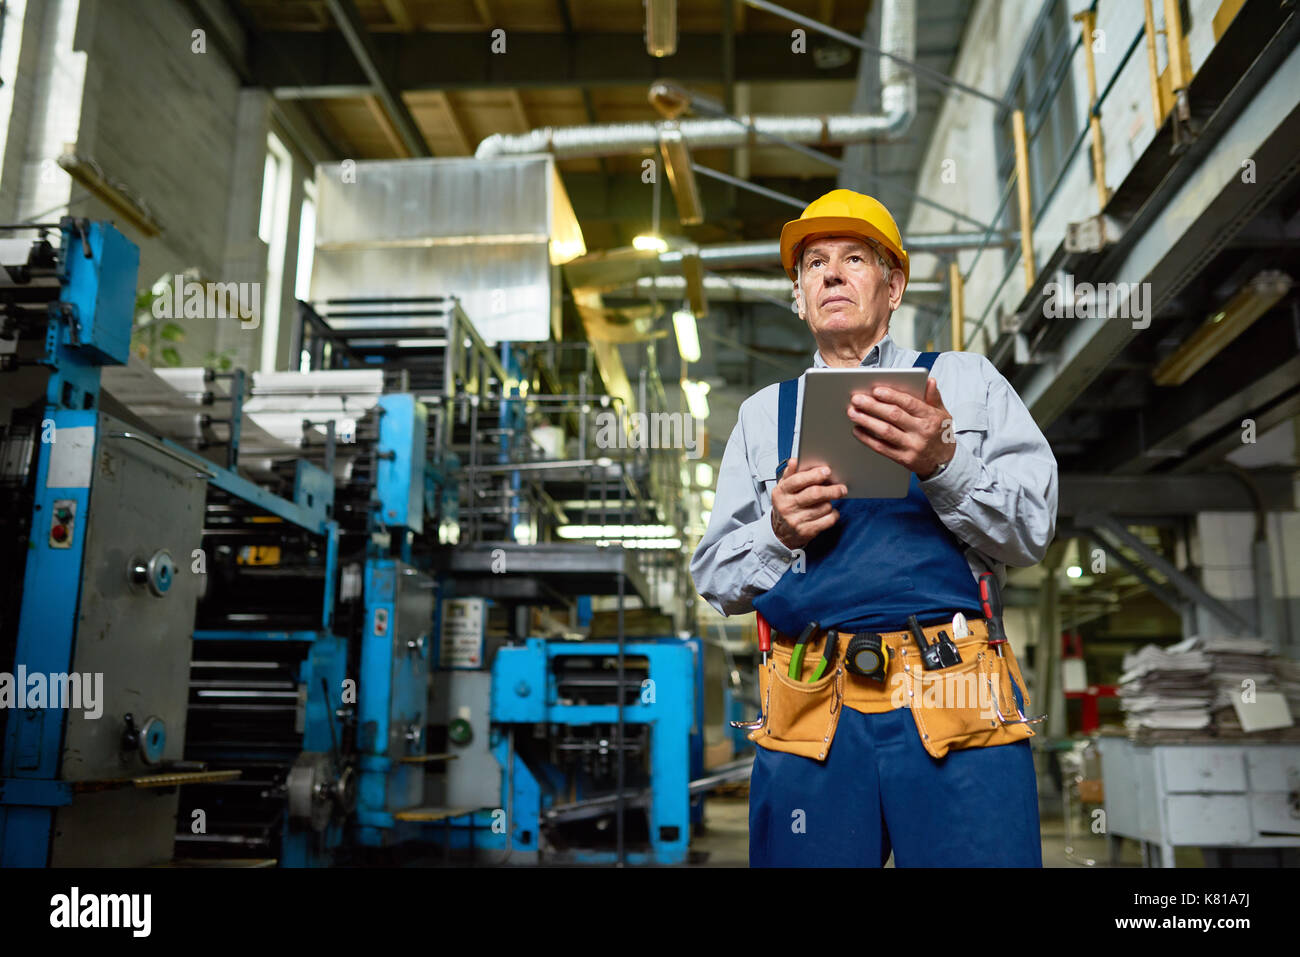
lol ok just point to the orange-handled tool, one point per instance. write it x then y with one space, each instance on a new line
991 600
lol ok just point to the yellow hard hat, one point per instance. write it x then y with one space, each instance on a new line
842 212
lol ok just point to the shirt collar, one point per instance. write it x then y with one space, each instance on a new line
880 356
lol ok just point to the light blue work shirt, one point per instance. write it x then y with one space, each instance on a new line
997 495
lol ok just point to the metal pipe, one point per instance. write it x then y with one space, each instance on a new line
768 252
544 466
1179 69
699 133
746 287
1153 68
958 306
1022 191
898 108
1267 625
1088 19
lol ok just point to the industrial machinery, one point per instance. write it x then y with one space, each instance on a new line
312 679
327 608
566 783
392 287
104 525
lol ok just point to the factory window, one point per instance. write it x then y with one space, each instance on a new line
1043 88
306 241
270 179
273 228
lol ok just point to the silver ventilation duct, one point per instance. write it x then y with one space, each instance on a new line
898 107
737 288
767 252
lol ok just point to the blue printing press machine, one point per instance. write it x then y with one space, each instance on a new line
295 725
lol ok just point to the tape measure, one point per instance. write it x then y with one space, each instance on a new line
867 655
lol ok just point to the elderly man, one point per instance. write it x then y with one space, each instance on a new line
882 746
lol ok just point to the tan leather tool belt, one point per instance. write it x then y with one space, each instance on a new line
953 708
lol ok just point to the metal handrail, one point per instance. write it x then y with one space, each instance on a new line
1065 167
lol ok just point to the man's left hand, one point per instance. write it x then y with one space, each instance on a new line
915 433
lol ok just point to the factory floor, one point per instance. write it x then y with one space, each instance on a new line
724 840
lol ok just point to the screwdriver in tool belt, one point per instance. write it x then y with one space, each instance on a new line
764 636
991 600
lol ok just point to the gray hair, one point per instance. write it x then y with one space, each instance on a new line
886 267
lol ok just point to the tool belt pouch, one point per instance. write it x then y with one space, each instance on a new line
959 707
798 717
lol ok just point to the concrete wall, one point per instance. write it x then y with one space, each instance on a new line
165 116
1223 552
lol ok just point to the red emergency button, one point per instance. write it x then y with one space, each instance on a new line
59 533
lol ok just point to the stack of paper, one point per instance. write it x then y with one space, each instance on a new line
1209 683
1166 688
1239 666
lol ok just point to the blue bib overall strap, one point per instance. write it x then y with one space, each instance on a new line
885 559
786 407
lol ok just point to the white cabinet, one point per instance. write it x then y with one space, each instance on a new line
1229 795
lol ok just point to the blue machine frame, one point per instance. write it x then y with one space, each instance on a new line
393 691
524 692
90 327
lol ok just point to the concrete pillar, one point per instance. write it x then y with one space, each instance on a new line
245 253
45 109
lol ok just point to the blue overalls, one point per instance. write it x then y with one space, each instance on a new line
878 789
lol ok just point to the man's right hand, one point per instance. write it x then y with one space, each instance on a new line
801 504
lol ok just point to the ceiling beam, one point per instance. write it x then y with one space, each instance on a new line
363 48
1243 381
455 122
317 64
386 125
1133 496
398 13
521 113
566 18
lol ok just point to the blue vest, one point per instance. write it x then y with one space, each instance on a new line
883 560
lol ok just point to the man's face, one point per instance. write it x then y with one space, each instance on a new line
842 287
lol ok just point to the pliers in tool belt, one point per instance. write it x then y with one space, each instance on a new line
801 645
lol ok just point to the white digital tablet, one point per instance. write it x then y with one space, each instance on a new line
825 431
